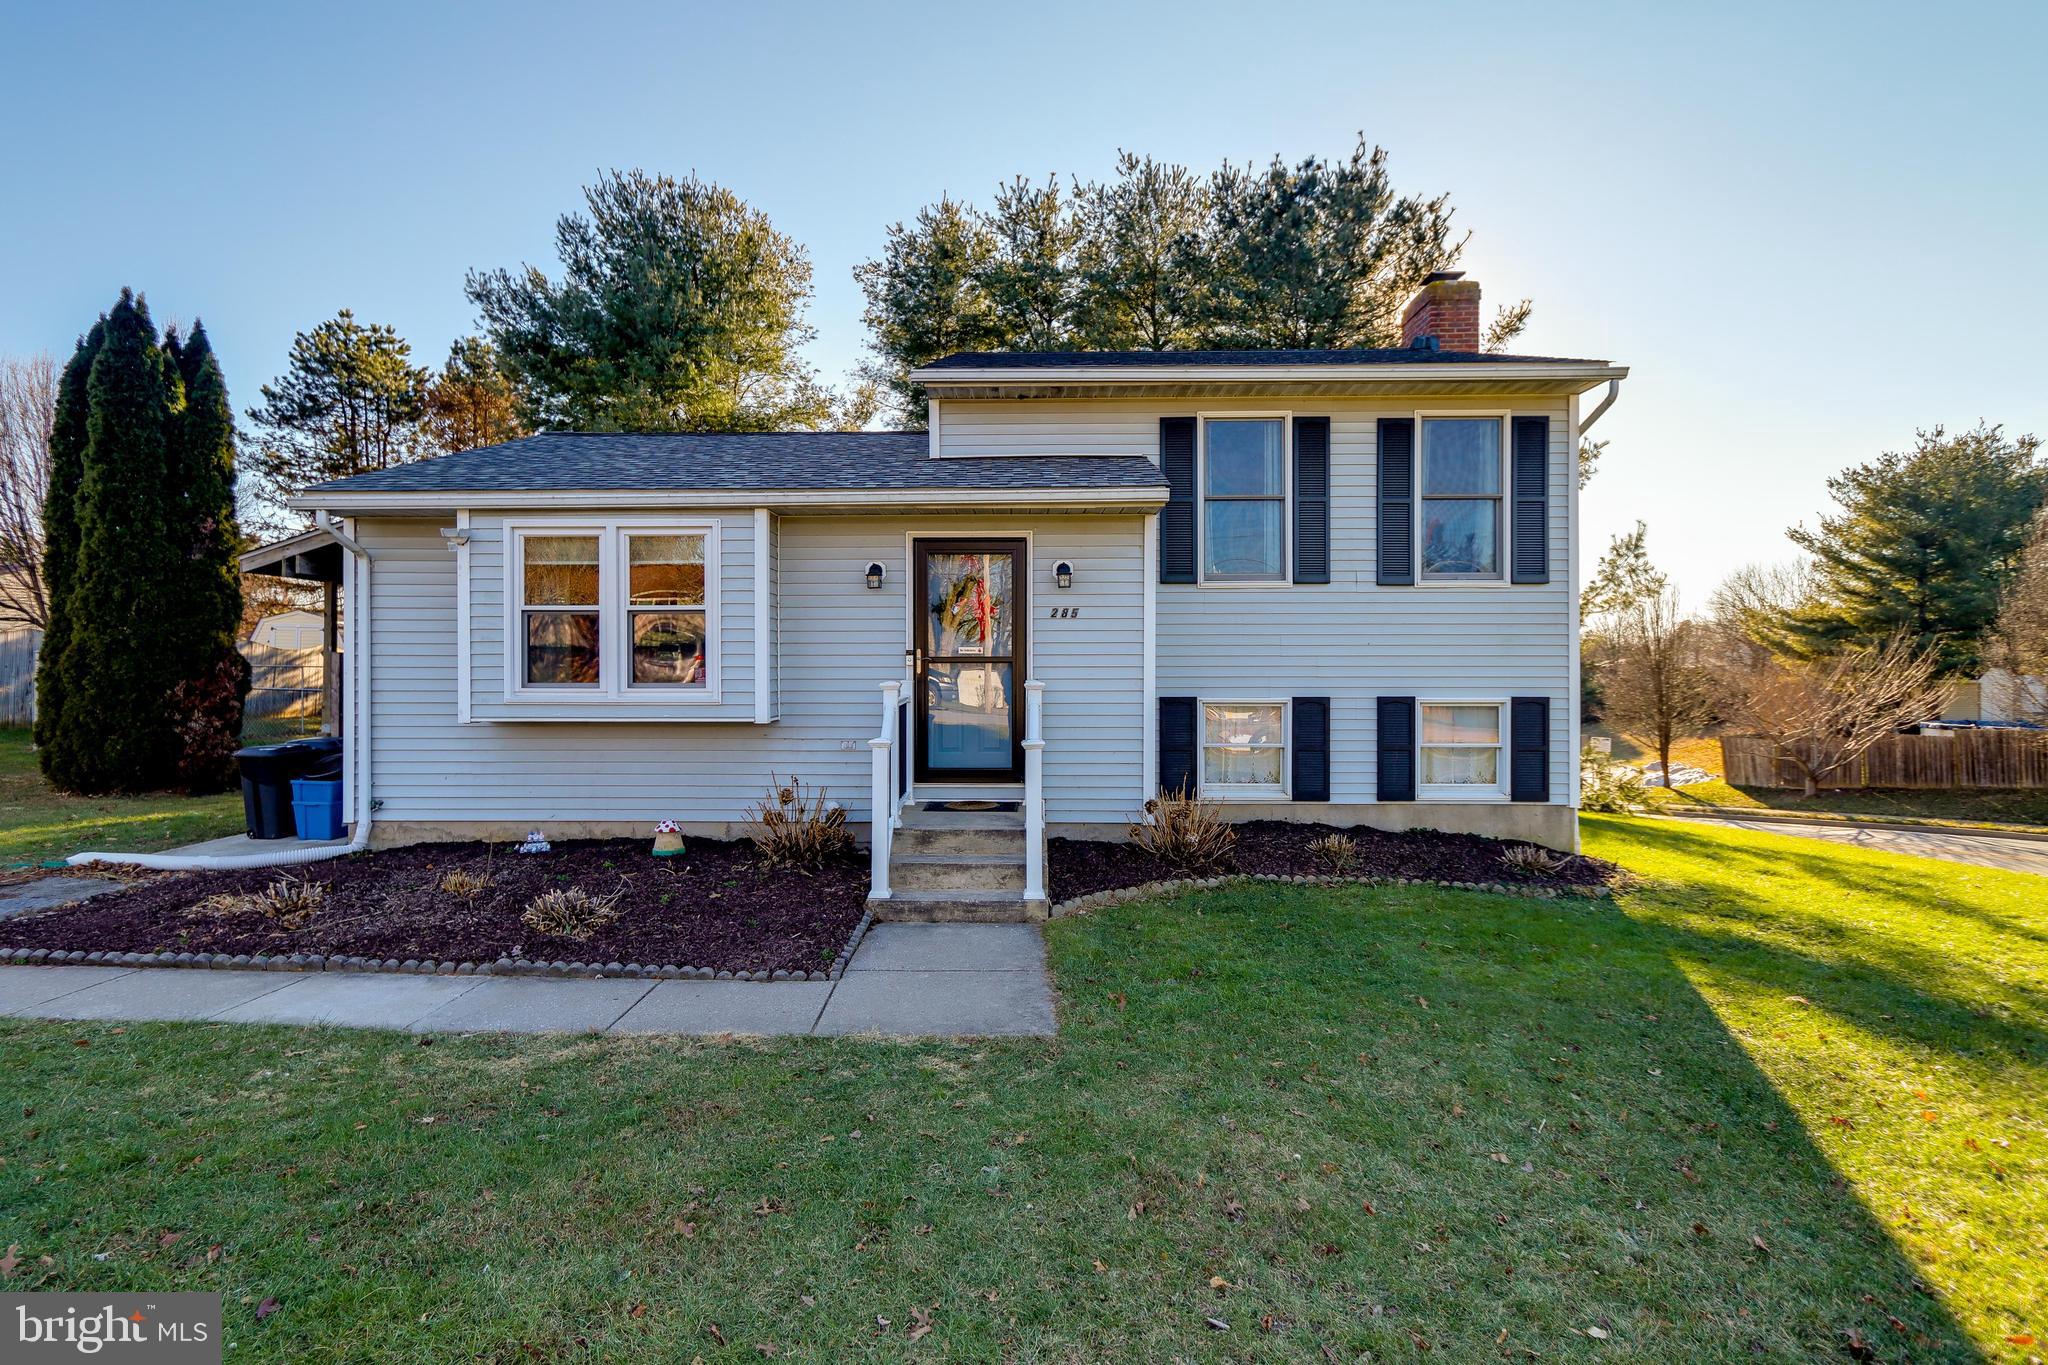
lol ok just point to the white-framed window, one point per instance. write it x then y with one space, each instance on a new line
1243 485
1244 749
1461 519
621 610
1461 754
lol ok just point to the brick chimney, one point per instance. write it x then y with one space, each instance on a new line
1447 308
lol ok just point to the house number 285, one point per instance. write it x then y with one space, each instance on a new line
1064 613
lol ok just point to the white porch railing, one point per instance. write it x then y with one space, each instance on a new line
1034 790
883 797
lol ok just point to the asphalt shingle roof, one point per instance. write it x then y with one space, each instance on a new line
1393 355
822 461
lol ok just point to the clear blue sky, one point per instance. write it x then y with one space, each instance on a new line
1809 228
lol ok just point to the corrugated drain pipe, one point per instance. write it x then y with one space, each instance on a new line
358 679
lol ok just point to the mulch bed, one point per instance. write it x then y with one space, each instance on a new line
1079 867
711 906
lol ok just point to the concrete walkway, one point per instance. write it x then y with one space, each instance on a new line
905 980
1950 845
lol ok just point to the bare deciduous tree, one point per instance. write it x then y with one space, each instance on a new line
1657 683
28 405
2021 643
1823 714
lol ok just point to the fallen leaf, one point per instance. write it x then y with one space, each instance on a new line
639 1310
1300 1205
1218 1283
1100 1268
1597 1333
10 1260
766 1348
1700 1230
169 1239
808 1300
266 1308
1758 1243
1857 1347
1233 1210
1216 1324
213 1253
2021 1339
716 1335
920 1323
1366 1204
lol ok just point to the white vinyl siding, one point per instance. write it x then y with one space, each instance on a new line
836 641
1351 640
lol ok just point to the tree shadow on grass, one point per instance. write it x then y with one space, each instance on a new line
1556 1129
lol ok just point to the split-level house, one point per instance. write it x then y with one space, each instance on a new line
1331 586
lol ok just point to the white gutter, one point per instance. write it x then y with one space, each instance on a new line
1386 374
1613 392
850 500
357 725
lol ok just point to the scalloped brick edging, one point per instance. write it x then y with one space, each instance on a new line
1125 895
504 966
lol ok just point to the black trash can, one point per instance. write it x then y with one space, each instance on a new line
267 773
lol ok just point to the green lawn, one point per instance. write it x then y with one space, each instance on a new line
37 823
1955 809
1781 1093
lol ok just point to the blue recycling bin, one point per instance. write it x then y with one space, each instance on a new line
316 807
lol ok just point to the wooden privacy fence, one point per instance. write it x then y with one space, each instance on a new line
1948 760
18 646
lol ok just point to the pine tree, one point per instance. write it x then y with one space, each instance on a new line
203 597
1924 544
68 437
115 730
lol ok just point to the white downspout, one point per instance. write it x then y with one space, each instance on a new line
1613 392
359 730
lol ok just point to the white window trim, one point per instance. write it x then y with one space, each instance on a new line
1504 547
1464 791
1245 791
613 663
1286 574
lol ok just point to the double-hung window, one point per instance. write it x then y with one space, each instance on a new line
665 609
1244 499
559 610
1461 749
1244 748
613 612
1461 498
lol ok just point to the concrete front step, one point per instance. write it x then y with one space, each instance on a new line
913 842
958 871
917 817
957 907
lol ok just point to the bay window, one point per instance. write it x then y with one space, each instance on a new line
1460 754
1244 499
1461 497
1244 749
612 611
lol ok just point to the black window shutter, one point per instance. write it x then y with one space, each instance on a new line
1311 499
1311 749
1397 748
1529 770
1397 504
1177 518
1178 737
1532 500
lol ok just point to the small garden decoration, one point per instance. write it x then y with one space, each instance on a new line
668 839
536 842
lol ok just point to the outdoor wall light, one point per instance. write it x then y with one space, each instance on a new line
1063 574
875 574
456 537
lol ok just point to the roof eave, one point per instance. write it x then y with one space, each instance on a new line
1583 375
346 501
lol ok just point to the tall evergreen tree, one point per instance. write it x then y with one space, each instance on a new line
203 597
1924 544
680 308
926 298
68 439
115 730
352 401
